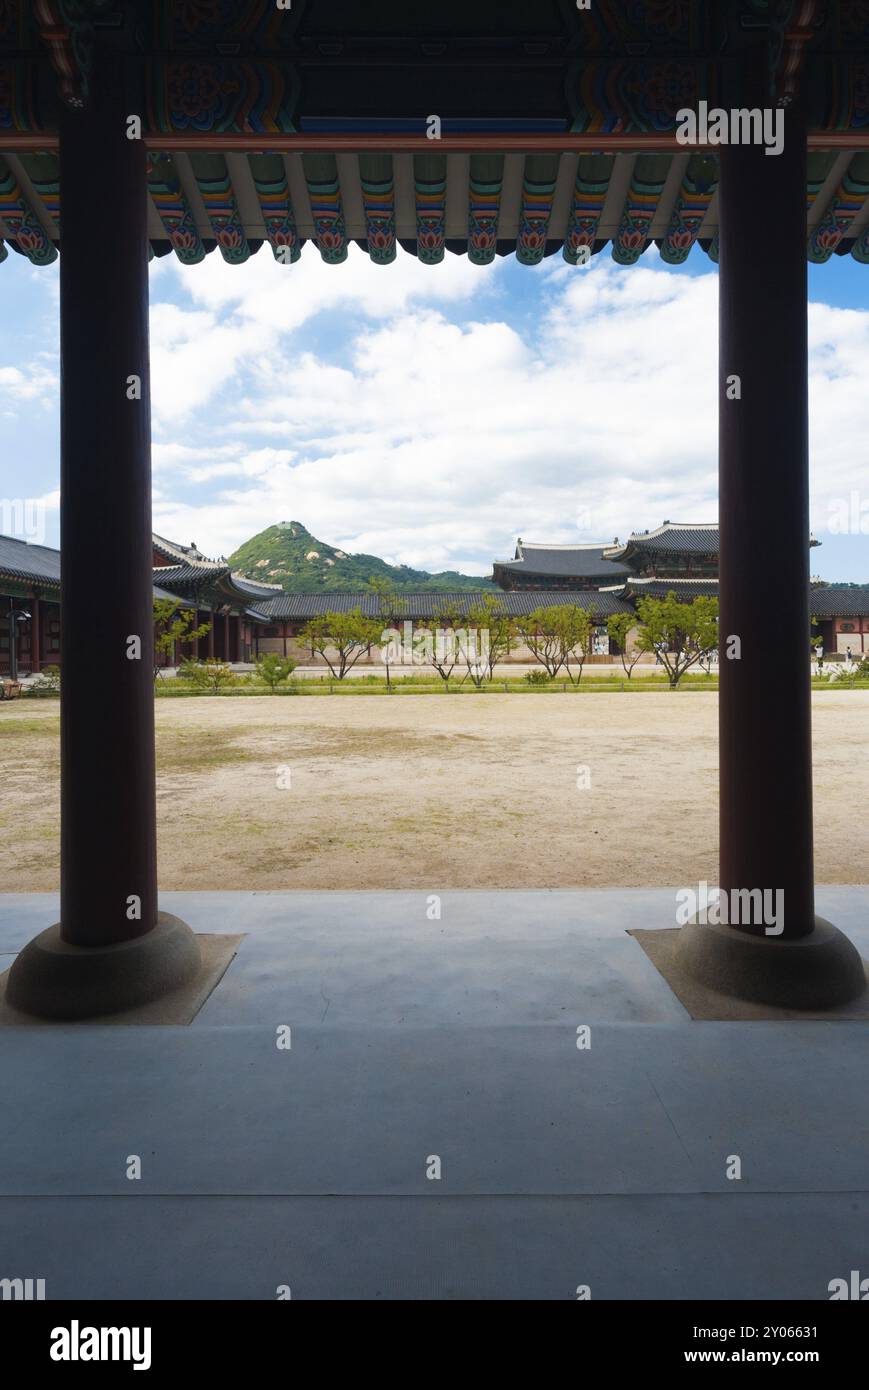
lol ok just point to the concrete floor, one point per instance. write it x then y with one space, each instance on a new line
456 1037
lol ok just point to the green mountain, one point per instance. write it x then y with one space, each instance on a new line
287 554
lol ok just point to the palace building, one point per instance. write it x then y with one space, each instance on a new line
679 558
247 617
687 553
30 583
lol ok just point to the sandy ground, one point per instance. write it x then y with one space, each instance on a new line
428 790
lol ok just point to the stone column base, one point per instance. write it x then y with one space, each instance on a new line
53 979
817 971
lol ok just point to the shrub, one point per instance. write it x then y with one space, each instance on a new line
211 675
272 669
47 682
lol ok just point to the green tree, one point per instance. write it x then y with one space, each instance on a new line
541 634
680 633
618 626
272 669
174 623
496 636
559 635
341 638
445 649
577 631
391 610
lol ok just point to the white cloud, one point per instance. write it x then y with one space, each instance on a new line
33 382
444 419
285 297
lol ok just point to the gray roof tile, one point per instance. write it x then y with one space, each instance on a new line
569 561
828 602
21 560
674 538
427 605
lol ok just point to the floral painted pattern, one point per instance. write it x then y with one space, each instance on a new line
534 221
169 200
431 199
379 202
21 223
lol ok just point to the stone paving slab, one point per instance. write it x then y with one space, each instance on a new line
456 1037
650 1108
737 1246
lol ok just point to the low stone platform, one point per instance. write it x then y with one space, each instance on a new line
414 1039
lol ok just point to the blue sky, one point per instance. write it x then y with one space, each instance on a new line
432 414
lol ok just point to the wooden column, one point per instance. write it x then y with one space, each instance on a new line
14 648
108 819
765 713
35 636
108 870
769 946
212 619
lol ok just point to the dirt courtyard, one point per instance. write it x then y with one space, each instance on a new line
500 791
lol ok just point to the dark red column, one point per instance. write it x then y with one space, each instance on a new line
212 619
108 819
35 635
765 714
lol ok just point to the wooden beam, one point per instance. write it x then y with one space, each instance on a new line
531 143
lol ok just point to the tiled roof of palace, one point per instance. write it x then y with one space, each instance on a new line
673 538
186 554
428 605
40 565
659 588
255 586
570 561
201 576
21 560
190 574
827 602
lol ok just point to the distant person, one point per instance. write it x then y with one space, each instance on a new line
820 660
848 655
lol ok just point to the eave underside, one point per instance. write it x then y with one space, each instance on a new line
480 204
310 122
